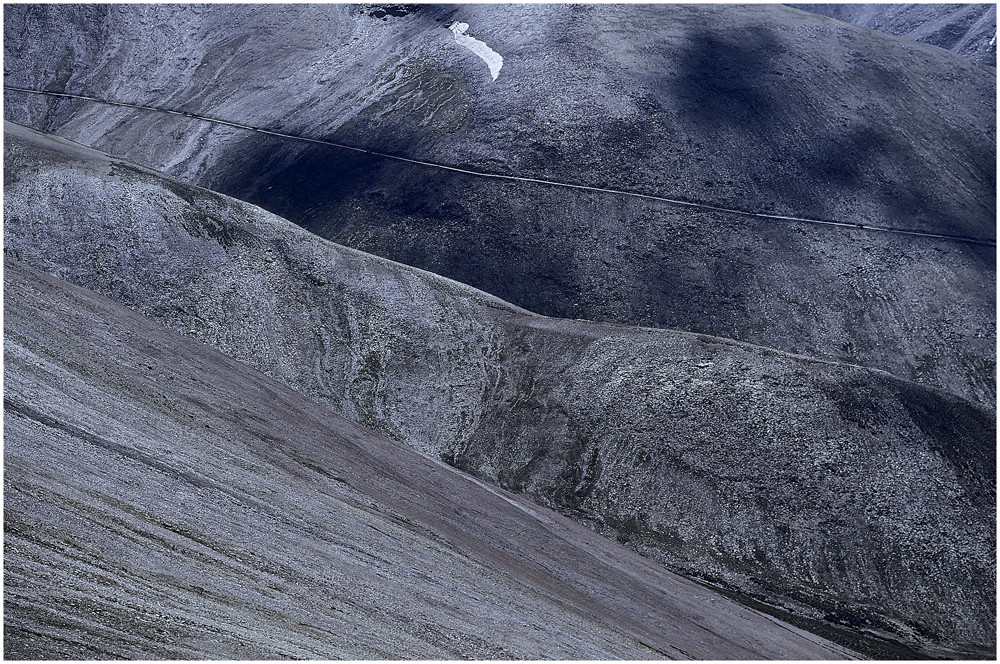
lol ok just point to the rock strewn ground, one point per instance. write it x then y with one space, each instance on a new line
164 501
763 108
852 498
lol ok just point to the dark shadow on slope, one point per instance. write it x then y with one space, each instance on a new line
841 159
958 432
295 180
727 80
412 214
748 97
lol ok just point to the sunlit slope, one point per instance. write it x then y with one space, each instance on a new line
758 108
843 494
968 29
165 501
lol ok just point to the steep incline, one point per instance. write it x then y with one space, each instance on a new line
857 501
967 29
164 501
761 108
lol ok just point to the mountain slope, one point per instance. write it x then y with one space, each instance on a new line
760 108
162 500
966 29
843 495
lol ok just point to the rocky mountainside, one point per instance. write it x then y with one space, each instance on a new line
164 501
858 504
758 108
967 29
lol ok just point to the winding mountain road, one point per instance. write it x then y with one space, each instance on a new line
663 199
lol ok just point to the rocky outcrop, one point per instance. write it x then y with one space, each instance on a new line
847 498
760 108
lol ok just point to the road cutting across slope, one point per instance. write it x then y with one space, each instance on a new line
553 183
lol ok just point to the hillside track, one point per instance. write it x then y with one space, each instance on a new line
553 183
601 422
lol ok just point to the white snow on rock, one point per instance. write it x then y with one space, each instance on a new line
492 59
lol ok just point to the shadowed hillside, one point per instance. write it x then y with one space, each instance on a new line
761 108
857 503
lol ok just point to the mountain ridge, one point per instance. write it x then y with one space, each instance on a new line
968 29
310 539
767 108
619 428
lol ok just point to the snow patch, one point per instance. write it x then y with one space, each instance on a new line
492 59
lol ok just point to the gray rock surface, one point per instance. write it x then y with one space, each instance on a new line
857 503
967 29
764 108
164 501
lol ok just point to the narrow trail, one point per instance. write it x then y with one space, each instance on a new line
552 183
